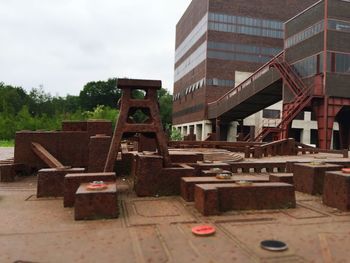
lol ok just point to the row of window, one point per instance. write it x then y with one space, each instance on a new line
199 84
238 57
248 21
338 62
271 114
339 25
305 34
235 52
220 82
309 66
316 29
197 32
247 30
244 48
189 89
233 24
191 62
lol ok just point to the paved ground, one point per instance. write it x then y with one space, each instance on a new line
6 153
159 230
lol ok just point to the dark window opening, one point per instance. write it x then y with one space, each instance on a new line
271 114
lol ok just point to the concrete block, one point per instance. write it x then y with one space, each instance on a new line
309 178
98 151
51 181
211 199
282 178
73 181
336 191
96 204
7 172
188 183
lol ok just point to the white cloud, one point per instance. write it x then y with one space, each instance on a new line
63 44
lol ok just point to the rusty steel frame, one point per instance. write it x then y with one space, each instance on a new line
125 125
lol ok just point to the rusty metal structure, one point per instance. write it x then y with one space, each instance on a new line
309 74
126 126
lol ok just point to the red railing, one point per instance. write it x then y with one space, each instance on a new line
214 106
290 78
291 112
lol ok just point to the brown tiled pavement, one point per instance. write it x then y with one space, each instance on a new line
159 230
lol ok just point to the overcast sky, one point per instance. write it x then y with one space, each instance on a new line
62 44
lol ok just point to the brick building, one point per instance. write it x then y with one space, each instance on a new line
219 44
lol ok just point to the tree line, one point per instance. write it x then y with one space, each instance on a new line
39 110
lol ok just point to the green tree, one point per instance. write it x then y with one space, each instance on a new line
97 93
12 98
166 107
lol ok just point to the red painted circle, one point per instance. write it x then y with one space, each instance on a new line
93 186
204 230
346 170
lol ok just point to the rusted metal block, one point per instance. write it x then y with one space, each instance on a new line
170 178
188 183
7 172
282 178
92 127
98 151
309 177
73 181
147 143
70 148
290 165
51 181
96 204
185 157
151 179
336 191
202 166
146 170
211 199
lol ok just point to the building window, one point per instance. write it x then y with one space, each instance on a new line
220 82
197 32
244 48
254 58
197 57
314 137
271 114
305 34
338 62
339 25
246 25
309 66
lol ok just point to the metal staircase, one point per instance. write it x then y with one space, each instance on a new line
302 98
232 104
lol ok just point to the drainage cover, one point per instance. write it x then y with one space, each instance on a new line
273 245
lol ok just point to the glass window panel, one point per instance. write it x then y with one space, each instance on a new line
342 63
339 25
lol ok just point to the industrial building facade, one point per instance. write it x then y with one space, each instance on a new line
218 45
317 46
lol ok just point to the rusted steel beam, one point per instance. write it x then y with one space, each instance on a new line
45 156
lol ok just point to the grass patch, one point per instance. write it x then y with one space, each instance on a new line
7 143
